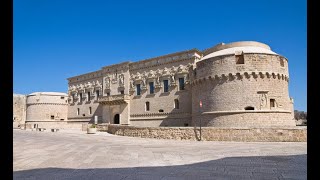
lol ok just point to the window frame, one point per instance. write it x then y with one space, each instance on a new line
165 85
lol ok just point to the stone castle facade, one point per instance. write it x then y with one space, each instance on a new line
240 84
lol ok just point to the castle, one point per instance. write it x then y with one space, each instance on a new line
239 84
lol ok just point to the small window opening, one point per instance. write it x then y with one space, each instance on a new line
90 110
138 89
160 110
61 97
78 111
272 103
122 92
176 104
181 84
88 96
186 124
147 106
165 85
52 117
239 58
151 87
83 114
61 119
249 108
97 94
80 97
108 94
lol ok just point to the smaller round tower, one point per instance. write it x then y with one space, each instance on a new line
46 108
242 84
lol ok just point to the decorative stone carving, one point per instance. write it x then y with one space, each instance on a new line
151 75
263 100
165 72
121 80
173 70
98 84
138 76
107 82
187 79
172 80
144 83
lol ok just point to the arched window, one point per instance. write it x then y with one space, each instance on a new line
147 106
249 108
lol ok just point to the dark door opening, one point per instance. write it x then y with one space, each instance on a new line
116 119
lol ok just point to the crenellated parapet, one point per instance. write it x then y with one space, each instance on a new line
242 75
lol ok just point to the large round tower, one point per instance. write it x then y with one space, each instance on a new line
242 84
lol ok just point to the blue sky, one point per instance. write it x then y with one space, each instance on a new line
55 40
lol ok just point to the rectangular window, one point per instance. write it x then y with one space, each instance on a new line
108 94
147 106
176 104
122 92
78 111
165 86
90 110
138 89
80 100
239 59
88 96
52 117
151 87
181 84
61 97
272 103
97 94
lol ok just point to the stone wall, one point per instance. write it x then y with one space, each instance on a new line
54 124
19 110
296 134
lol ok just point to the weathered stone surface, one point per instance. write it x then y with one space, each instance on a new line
296 134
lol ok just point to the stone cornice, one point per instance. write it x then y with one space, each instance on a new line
47 104
161 60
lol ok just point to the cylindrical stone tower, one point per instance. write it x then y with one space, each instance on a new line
46 108
242 84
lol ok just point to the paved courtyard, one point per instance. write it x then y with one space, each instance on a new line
77 155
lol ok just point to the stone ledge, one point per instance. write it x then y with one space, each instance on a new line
286 134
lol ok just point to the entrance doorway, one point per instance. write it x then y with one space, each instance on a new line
116 119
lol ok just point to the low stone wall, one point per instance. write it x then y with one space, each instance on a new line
295 134
54 124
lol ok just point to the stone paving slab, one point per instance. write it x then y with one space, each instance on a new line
70 154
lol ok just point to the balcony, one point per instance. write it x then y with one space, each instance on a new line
114 99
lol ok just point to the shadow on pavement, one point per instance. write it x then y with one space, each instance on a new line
253 167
